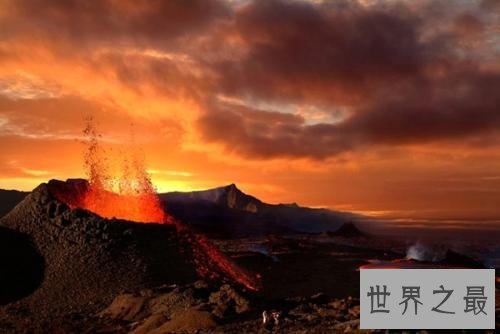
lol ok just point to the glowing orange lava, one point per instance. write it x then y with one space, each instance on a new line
138 208
207 257
133 197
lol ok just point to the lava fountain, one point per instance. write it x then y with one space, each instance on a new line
132 196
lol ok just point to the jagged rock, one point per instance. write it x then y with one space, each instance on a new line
226 297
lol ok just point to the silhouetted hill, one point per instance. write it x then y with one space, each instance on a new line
228 196
347 230
229 212
9 199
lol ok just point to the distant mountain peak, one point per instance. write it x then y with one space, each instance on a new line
232 188
234 198
348 230
291 205
228 196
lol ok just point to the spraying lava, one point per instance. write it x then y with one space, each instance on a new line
132 196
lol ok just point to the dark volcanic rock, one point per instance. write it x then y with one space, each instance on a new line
9 199
347 230
87 260
184 310
163 310
454 258
229 196
227 212
227 298
21 267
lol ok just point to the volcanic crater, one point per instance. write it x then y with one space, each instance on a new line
82 261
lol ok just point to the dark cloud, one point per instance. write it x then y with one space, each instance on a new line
298 50
86 24
402 72
468 25
262 134
167 77
464 104
451 109
401 82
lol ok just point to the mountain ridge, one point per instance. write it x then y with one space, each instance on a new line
229 195
239 214
232 196
227 211
9 198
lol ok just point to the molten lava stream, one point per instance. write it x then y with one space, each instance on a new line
136 200
209 256
146 208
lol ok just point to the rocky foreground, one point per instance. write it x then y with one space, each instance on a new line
67 270
204 308
201 307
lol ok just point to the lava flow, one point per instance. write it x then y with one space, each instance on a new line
206 251
132 197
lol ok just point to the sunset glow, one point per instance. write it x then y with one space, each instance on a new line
386 108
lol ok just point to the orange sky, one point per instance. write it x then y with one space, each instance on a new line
385 108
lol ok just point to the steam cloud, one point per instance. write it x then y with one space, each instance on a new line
422 252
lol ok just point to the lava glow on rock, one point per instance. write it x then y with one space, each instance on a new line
132 196
138 208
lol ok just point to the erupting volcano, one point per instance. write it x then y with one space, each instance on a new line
132 196
129 195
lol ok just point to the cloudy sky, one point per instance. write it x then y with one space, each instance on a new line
390 108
